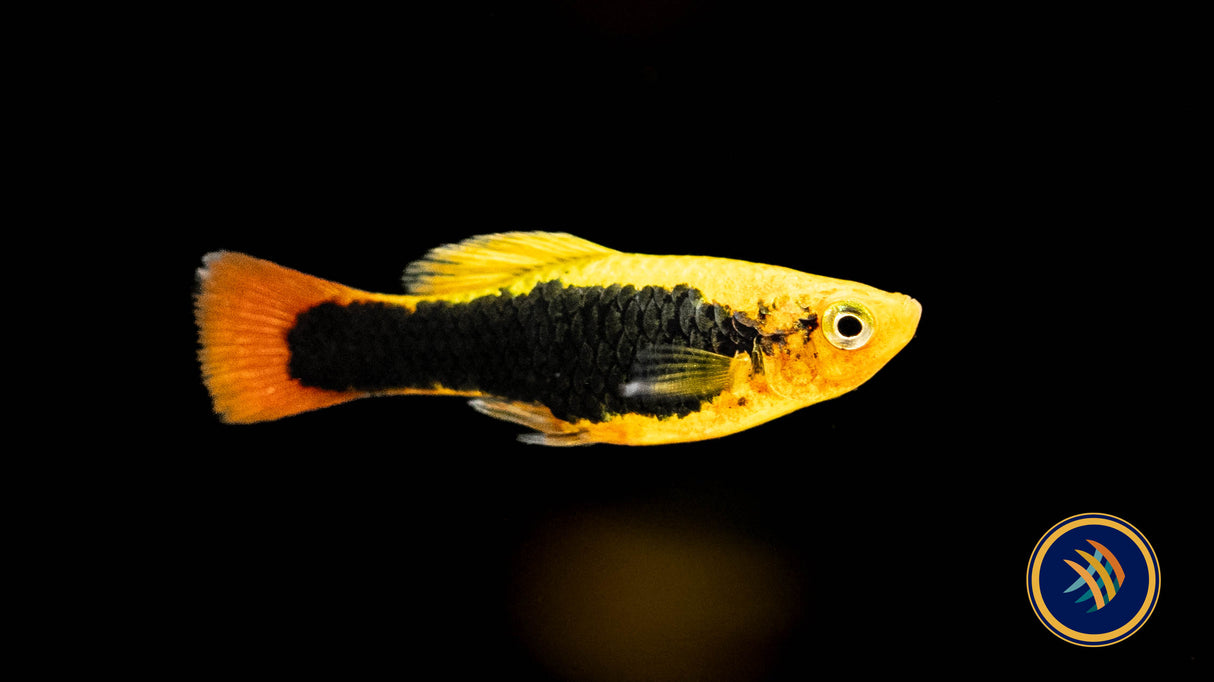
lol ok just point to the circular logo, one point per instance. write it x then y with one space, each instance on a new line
1093 580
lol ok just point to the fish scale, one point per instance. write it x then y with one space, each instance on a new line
567 347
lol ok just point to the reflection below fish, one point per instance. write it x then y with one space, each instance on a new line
616 596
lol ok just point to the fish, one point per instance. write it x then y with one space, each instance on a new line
577 342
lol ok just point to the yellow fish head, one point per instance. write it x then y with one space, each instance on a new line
851 332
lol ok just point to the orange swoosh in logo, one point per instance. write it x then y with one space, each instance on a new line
1102 575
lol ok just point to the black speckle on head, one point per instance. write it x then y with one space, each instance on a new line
744 325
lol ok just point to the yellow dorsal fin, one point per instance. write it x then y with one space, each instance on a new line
493 260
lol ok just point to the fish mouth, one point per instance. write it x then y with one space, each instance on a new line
913 311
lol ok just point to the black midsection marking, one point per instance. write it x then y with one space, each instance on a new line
570 348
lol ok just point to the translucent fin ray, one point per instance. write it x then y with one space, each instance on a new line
677 372
549 429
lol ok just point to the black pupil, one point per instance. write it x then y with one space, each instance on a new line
849 326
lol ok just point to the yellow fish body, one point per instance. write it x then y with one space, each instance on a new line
582 343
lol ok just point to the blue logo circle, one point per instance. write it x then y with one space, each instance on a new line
1093 580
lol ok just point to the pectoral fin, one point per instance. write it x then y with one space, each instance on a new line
678 372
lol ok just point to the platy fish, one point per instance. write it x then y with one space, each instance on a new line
577 341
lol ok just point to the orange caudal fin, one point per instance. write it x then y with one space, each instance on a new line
244 308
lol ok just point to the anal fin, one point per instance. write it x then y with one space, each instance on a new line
549 429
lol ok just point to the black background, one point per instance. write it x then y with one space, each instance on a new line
1022 175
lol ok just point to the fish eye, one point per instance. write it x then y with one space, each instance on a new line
848 325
